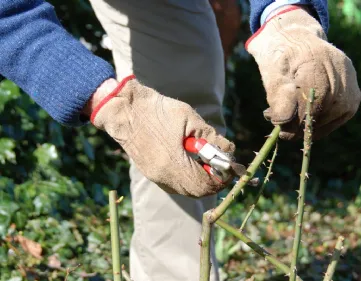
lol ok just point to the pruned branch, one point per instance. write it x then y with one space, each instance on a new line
334 260
307 142
114 233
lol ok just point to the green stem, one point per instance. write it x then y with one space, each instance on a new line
335 258
307 142
205 266
212 215
239 186
264 184
115 238
255 247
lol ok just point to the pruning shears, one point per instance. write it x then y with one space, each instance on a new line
215 161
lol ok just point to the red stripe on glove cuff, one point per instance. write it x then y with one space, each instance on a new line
264 25
110 96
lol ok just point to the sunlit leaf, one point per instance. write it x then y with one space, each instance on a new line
46 153
7 209
8 91
7 153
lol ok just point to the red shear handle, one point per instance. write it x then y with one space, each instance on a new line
193 145
209 171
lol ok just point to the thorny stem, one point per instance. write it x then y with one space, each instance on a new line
255 247
307 142
264 184
334 260
114 233
213 215
239 186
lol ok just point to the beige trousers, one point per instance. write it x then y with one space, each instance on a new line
174 47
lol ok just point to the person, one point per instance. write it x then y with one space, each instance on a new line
173 47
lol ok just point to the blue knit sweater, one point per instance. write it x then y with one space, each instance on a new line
57 71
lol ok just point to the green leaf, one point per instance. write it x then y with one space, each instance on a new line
351 10
46 153
95 238
43 204
3 254
7 209
8 91
7 185
7 151
15 279
88 148
56 134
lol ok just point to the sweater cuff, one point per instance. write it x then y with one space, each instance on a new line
67 80
258 8
278 4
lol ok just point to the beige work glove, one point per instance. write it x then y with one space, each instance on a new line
293 55
151 128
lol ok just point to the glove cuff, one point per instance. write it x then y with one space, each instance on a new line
292 8
110 96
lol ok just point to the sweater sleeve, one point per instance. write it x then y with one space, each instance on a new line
54 68
258 6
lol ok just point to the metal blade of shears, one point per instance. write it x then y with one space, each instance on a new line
238 169
216 162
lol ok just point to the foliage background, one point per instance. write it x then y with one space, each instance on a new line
54 180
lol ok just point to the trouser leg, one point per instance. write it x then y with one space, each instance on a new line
167 230
174 47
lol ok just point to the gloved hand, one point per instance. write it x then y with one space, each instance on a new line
151 128
293 55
